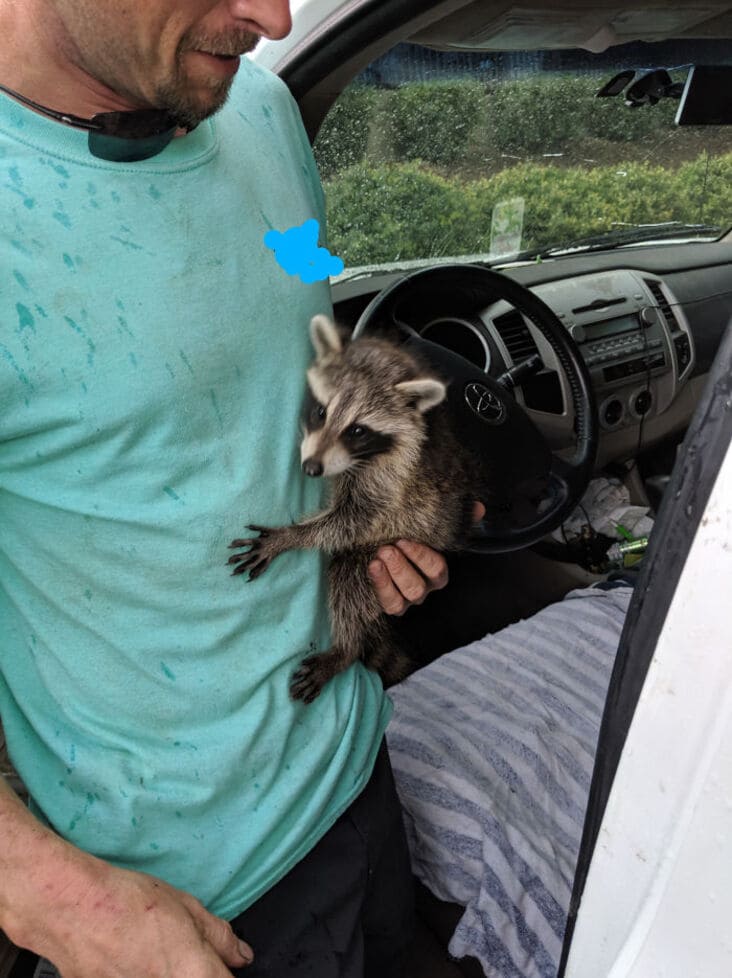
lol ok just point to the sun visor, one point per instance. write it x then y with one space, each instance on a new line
593 26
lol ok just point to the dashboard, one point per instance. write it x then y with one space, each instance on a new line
647 322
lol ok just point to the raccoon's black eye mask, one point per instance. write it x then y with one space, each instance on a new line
363 442
314 412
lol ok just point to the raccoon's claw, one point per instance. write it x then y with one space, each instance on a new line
310 678
253 559
263 531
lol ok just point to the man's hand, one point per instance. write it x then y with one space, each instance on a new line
96 921
404 574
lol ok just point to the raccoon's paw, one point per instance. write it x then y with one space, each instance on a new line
312 675
260 553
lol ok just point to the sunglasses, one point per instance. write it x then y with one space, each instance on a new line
119 137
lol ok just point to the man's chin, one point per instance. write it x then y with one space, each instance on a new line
190 108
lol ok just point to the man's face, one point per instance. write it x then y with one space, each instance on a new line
179 55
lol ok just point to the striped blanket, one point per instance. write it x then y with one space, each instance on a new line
492 748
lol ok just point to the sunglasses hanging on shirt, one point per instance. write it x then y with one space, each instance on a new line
119 137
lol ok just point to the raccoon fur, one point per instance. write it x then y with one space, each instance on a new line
373 424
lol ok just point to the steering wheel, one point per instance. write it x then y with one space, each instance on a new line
533 489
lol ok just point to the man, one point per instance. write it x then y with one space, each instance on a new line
152 359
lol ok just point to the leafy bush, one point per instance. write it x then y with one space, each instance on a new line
546 115
391 212
562 204
343 137
610 118
433 121
529 116
402 211
706 186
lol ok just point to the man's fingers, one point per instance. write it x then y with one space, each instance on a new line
478 512
404 575
431 564
221 937
387 594
407 578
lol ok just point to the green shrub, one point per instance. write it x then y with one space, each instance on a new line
402 211
433 121
343 137
528 116
610 118
562 204
706 185
531 116
392 212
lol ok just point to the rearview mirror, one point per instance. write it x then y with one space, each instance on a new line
707 97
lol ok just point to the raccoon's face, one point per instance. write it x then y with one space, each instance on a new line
366 402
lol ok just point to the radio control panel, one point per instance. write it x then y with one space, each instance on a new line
633 336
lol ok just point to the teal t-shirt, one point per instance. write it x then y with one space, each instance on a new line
152 357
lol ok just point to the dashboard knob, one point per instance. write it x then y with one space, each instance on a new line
577 333
648 316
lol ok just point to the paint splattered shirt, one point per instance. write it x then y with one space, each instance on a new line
152 357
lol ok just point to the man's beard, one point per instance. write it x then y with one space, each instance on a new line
176 95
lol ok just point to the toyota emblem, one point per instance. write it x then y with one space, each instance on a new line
485 403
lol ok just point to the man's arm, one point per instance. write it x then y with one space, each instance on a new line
95 921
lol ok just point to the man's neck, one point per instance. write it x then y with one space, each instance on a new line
36 61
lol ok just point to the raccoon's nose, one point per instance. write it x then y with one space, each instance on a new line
312 466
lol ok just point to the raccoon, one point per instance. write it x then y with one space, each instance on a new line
374 426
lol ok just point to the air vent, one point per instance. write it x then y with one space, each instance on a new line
516 336
663 304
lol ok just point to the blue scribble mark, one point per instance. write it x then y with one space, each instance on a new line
168 672
173 495
20 279
297 251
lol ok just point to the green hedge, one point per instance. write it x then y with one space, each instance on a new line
392 212
447 123
432 121
343 137
545 116
396 212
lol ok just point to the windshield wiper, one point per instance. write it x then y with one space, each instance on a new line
618 237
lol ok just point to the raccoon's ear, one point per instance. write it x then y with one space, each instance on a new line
425 392
325 336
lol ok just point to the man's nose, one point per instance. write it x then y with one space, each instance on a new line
272 17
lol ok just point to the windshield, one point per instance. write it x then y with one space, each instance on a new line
431 154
